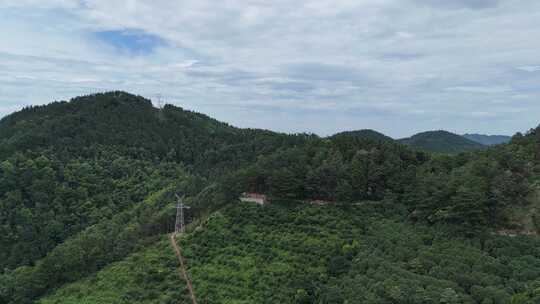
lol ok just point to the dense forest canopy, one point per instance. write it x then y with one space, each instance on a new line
87 186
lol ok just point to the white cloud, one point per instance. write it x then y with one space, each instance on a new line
529 68
481 89
38 4
365 61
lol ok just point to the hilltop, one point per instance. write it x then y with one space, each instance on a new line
363 134
130 125
441 141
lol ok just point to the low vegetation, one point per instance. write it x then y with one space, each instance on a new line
297 253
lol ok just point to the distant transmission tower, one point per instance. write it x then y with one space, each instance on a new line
179 226
159 102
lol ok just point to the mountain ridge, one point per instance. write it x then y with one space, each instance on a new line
86 184
488 140
441 141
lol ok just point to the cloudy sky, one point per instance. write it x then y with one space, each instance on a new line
322 66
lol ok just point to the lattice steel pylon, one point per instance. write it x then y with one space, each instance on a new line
159 101
179 226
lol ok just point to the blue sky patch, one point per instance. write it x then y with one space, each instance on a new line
131 41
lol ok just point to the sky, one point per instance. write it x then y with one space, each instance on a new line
321 66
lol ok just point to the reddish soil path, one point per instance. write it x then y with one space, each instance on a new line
183 271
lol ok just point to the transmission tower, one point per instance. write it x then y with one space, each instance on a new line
159 102
180 224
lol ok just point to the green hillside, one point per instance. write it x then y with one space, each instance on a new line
87 196
147 276
129 125
442 142
286 253
73 172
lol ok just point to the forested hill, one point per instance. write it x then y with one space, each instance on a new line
442 142
488 140
363 134
87 193
132 126
68 166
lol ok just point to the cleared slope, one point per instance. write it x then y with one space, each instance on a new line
148 276
329 254
183 267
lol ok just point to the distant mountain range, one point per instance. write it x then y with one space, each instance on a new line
441 141
488 140
434 141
